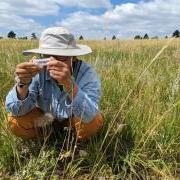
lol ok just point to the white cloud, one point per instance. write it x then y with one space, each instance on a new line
86 3
14 13
23 26
29 7
82 23
47 7
155 17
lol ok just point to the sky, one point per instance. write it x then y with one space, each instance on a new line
93 19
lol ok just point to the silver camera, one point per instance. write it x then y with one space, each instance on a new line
41 62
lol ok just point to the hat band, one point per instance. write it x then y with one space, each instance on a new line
68 47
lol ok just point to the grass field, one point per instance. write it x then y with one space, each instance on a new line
141 109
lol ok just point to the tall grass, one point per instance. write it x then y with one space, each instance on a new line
141 109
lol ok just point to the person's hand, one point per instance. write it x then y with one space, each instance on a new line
25 71
60 71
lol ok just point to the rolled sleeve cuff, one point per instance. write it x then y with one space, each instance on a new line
21 106
82 107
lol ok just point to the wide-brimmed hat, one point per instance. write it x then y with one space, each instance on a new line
60 42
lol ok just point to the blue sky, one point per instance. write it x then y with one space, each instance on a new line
94 19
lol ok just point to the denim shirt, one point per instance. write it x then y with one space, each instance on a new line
45 93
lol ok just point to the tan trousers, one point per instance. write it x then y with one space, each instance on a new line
24 126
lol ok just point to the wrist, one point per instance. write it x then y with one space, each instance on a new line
68 85
71 87
22 92
22 84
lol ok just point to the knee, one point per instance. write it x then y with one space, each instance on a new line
84 130
98 120
95 124
20 130
23 126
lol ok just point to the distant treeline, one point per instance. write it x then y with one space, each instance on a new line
175 34
12 35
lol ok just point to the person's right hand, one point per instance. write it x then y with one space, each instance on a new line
25 71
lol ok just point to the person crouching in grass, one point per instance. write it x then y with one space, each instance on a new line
65 90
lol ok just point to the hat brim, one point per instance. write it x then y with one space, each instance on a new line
78 51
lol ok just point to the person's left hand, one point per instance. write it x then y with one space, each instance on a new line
60 71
